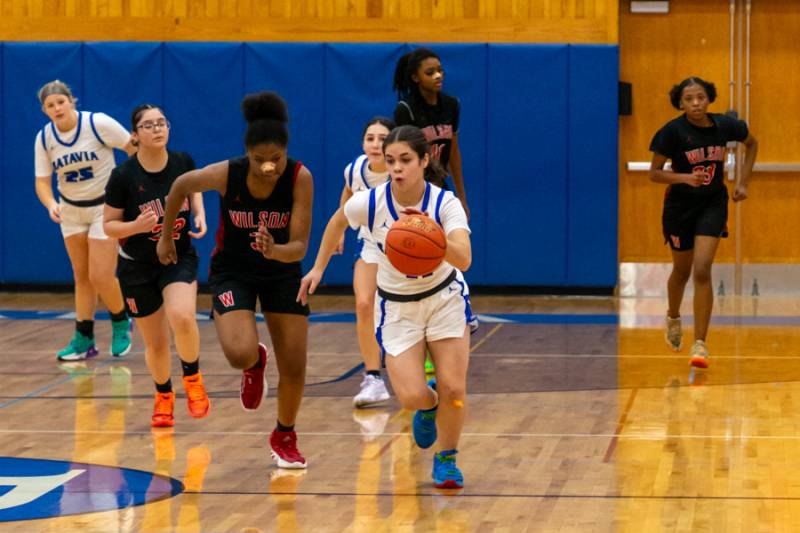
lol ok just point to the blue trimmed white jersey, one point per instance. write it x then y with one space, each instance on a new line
359 177
83 157
375 210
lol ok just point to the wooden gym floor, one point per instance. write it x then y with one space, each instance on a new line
580 419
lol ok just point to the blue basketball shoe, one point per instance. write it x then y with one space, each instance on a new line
446 474
424 425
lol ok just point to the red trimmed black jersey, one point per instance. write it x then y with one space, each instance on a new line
692 147
240 216
134 189
438 122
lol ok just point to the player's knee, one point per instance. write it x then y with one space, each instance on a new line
364 306
702 274
414 398
450 392
99 279
183 320
240 356
294 372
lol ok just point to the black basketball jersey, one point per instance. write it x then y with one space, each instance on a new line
134 189
692 147
240 216
438 122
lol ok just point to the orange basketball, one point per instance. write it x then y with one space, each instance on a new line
415 245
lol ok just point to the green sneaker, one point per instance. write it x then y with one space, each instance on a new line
80 347
429 368
121 342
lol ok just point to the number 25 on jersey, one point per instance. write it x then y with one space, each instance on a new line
82 174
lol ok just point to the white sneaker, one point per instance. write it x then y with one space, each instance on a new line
373 390
673 334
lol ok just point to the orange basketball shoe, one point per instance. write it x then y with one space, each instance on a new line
699 354
196 397
162 410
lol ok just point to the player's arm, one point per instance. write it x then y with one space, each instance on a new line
44 180
347 193
455 170
198 214
44 191
659 175
459 249
115 226
333 232
299 224
213 177
751 150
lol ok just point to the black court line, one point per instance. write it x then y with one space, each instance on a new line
460 494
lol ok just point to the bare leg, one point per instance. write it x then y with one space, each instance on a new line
407 372
451 357
705 248
364 286
180 304
681 270
155 332
289 334
85 295
102 272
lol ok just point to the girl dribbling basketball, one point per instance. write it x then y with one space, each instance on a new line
412 312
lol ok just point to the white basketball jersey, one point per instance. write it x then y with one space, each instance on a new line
359 177
81 158
375 210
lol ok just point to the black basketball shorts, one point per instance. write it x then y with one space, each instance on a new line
142 284
232 291
684 218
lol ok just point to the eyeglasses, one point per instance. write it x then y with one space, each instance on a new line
161 124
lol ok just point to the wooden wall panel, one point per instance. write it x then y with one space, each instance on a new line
657 51
563 21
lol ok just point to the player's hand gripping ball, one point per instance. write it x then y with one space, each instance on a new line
416 245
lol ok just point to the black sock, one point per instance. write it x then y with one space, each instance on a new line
376 373
119 317
85 328
281 427
190 369
164 388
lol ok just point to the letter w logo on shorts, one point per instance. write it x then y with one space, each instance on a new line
132 305
226 298
676 241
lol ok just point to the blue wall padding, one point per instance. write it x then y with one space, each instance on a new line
527 164
33 249
593 194
266 69
538 139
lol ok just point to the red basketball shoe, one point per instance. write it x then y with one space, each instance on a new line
284 449
254 382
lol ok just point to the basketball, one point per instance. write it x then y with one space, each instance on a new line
415 245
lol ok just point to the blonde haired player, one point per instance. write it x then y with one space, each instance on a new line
411 312
78 146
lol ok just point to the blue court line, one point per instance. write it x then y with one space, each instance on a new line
356 369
